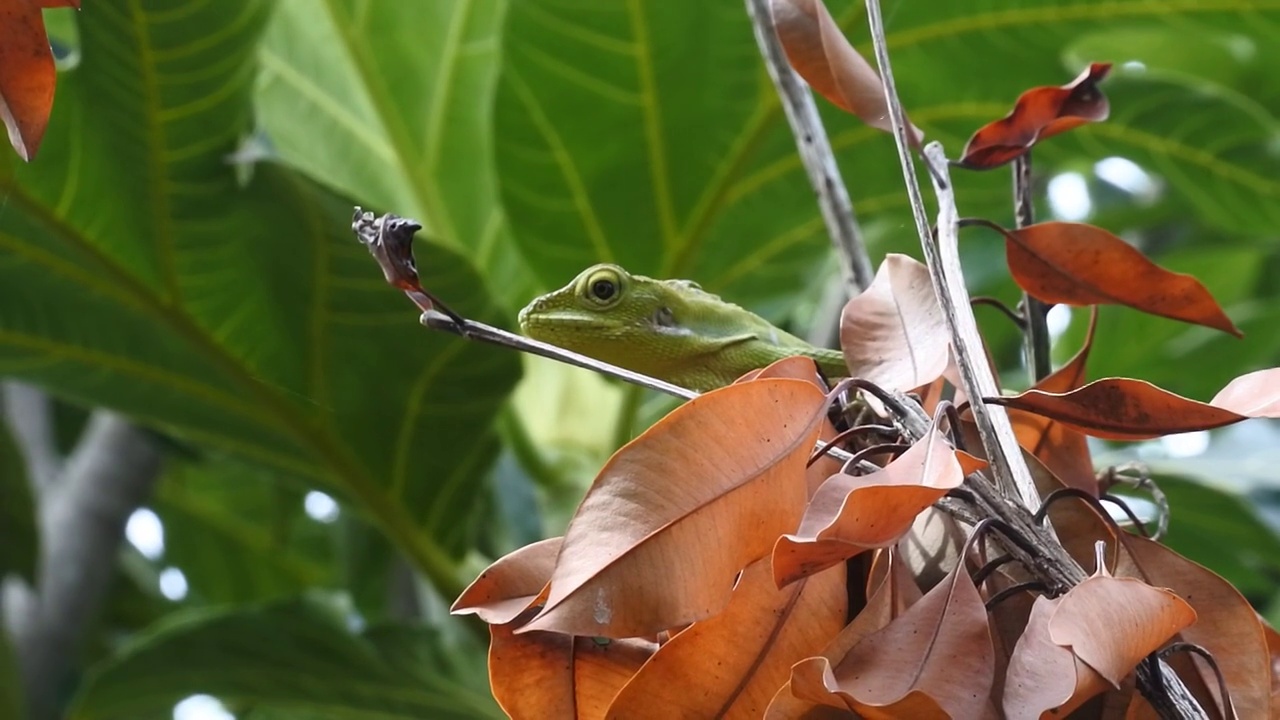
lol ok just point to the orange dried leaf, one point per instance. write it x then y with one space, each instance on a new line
935 660
27 73
730 666
800 367
1255 395
1226 624
1044 676
1079 264
822 56
1121 409
851 514
723 473
893 333
1139 619
510 585
1039 113
1064 451
548 675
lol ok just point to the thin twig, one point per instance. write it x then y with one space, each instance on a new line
1034 312
815 153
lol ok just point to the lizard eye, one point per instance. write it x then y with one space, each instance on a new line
603 287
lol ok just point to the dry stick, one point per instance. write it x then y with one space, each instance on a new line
815 153
1034 312
1157 681
943 259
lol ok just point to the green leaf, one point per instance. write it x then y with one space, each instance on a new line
392 104
138 272
11 702
19 534
286 657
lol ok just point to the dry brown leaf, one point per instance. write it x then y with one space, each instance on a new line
731 665
1139 619
935 660
1273 647
723 474
1121 409
851 514
893 333
540 675
1045 679
1063 450
822 56
1226 624
1039 113
894 591
1079 264
1255 395
510 585
800 367
27 72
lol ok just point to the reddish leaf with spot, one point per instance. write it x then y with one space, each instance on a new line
27 73
1063 450
1139 620
934 661
1078 264
893 333
850 514
511 585
723 473
1044 676
1039 113
548 675
730 666
1227 625
822 56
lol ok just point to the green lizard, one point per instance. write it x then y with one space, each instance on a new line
668 329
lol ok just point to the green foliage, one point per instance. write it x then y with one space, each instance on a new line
180 251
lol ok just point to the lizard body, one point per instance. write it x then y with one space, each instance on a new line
668 329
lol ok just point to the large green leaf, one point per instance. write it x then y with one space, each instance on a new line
19 536
647 134
137 272
392 103
288 657
11 702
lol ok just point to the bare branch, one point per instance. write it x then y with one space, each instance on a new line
29 413
815 153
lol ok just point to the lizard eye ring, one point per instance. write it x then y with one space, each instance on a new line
603 287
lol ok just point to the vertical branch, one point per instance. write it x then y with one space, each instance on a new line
815 153
1034 312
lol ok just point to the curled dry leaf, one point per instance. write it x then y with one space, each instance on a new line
934 661
539 675
822 56
723 473
893 333
1062 450
27 72
1044 676
805 696
1039 113
730 665
1079 264
510 585
850 514
1139 619
1121 409
1226 624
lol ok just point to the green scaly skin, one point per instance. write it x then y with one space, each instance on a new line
668 329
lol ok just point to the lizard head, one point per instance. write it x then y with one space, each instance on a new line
612 315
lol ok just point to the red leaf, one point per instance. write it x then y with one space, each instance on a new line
27 73
1078 264
822 56
1039 113
1121 409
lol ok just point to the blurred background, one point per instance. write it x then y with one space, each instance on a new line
237 478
